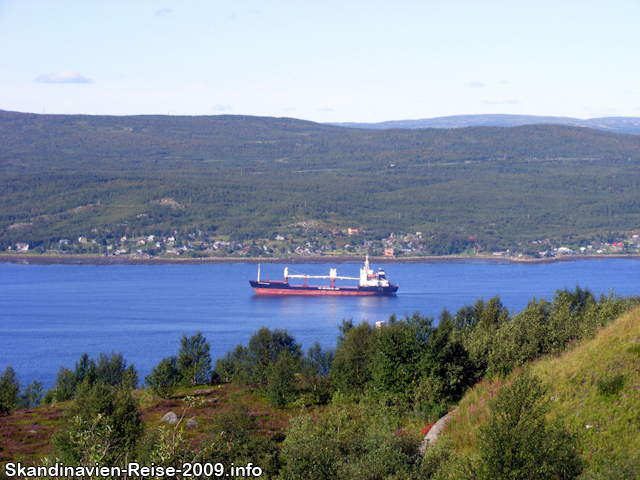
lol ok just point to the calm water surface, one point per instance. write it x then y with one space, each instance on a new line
51 314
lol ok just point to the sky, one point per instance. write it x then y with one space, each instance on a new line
325 61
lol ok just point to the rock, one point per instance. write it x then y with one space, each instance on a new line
170 417
212 400
206 391
432 436
192 423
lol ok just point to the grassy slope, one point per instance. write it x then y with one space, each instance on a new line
609 426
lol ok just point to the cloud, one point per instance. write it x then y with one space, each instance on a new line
163 12
61 77
221 108
502 82
503 102
475 84
324 109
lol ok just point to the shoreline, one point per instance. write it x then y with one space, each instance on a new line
84 260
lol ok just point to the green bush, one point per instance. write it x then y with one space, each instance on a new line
610 384
349 441
232 440
102 425
518 442
635 349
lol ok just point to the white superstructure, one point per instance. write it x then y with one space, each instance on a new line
369 278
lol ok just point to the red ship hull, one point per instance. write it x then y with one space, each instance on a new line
283 288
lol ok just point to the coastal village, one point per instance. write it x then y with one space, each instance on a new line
313 241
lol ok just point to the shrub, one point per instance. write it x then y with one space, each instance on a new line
610 384
102 425
635 349
518 442
349 441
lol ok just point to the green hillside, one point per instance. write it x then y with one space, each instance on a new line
252 178
593 389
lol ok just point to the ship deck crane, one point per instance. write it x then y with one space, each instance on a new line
333 275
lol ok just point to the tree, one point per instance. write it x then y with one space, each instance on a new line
351 369
446 368
488 319
112 370
194 360
398 351
164 378
9 389
315 370
249 365
65 387
281 380
86 370
32 394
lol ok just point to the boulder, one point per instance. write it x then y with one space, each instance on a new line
170 417
432 436
205 391
192 423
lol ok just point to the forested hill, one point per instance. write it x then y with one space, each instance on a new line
629 125
59 141
251 178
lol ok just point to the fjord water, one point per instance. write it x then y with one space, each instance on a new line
51 314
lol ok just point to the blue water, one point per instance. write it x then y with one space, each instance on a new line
51 314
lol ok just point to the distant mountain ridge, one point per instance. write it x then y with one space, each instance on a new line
628 125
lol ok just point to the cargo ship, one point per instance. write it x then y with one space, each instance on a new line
369 283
